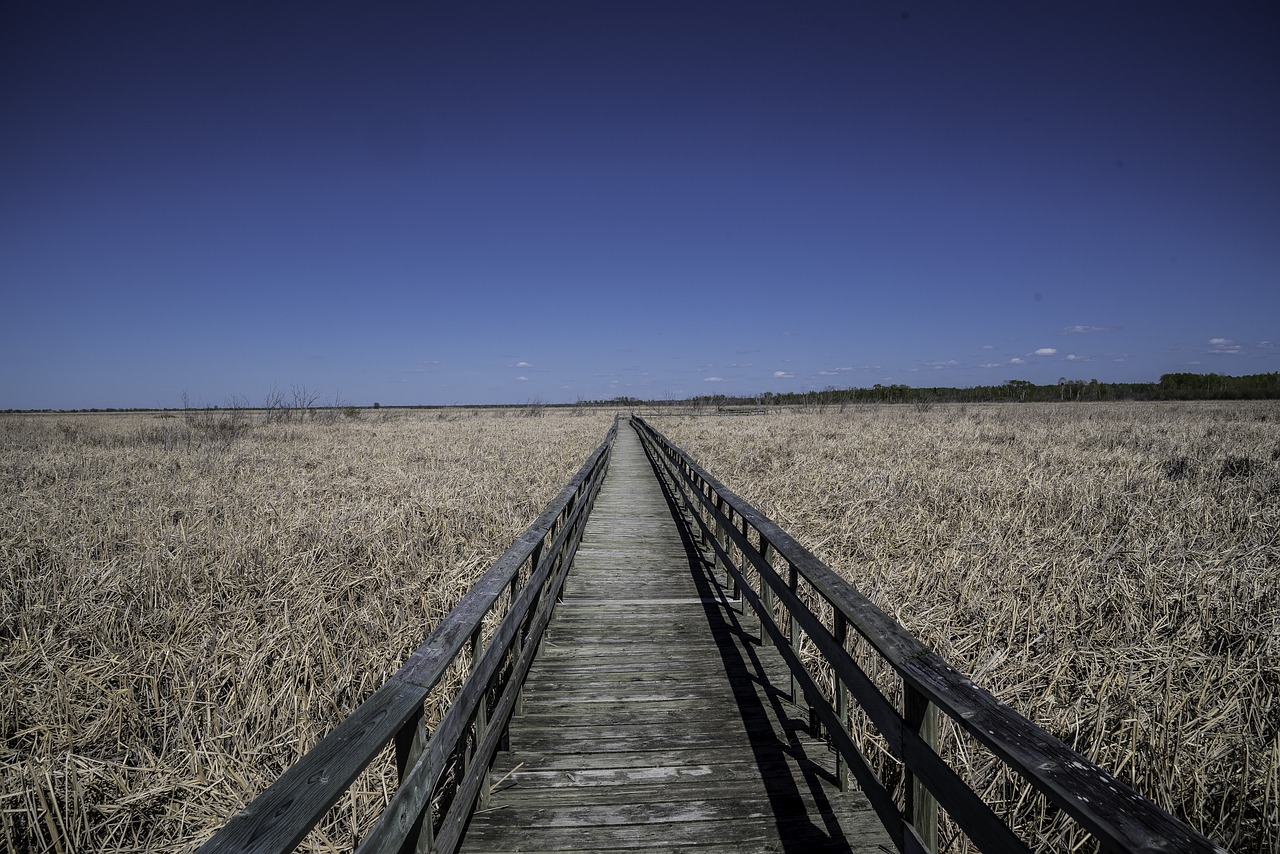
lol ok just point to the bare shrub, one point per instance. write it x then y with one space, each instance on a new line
1234 466
223 425
1178 468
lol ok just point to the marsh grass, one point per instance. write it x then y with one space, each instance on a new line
188 605
1112 571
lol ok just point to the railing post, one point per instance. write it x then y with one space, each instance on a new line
794 634
921 811
766 591
722 537
797 695
536 556
482 714
842 700
410 741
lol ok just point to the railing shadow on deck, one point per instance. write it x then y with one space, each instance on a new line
737 648
441 777
774 575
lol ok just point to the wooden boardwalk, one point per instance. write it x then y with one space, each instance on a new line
653 718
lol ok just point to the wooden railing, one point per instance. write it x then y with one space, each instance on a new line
775 575
442 777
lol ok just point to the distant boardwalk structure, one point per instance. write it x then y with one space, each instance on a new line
651 685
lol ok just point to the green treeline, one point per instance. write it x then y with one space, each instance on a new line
1170 387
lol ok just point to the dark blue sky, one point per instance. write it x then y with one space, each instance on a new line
502 202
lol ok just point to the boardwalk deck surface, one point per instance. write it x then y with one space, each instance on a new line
653 719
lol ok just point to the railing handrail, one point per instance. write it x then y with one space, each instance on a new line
1114 813
282 815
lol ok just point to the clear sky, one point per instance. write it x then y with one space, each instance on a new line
437 203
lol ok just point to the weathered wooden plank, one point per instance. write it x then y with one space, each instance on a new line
620 740
638 769
644 682
799 756
665 811
730 832
669 843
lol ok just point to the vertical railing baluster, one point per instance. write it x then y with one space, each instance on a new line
793 582
410 741
841 631
722 537
766 591
921 810
482 713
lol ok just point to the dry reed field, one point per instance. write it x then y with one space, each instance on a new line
188 604
1112 571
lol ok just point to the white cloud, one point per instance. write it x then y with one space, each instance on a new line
1223 347
1085 330
713 379
950 363
522 365
1072 357
522 379
827 373
1016 361
782 375
989 365
986 347
1265 345
1046 351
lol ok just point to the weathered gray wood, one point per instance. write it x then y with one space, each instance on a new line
279 818
417 785
1114 813
842 702
411 741
702 832
921 808
652 718
932 778
974 816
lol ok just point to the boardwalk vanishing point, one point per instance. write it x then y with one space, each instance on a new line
653 717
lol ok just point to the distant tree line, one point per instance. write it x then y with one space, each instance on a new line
1182 386
1170 387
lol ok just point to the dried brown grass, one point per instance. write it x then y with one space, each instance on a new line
185 609
1111 571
